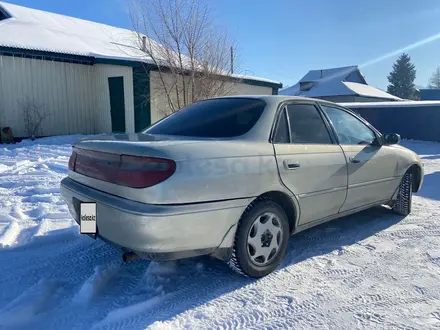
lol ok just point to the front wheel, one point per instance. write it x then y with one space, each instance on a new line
402 205
261 239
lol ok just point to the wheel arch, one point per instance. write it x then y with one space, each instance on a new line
417 171
288 203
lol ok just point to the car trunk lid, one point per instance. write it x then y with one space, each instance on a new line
130 160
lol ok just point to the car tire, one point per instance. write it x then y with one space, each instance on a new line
264 221
402 205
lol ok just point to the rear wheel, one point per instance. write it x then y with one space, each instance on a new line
261 239
402 205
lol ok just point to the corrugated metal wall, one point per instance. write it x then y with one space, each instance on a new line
63 90
432 94
369 99
75 96
417 123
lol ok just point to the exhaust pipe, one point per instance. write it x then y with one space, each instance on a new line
129 256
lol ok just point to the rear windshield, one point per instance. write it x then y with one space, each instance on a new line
216 118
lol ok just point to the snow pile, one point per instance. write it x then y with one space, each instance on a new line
95 283
371 270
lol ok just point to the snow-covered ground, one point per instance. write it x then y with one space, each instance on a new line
371 270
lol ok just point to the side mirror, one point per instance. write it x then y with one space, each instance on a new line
391 139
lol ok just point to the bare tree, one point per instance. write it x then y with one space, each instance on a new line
192 57
33 116
434 81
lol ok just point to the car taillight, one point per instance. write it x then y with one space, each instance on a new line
142 172
129 171
72 161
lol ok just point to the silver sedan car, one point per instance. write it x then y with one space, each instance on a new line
234 177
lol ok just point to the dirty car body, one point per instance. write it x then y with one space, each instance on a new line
181 188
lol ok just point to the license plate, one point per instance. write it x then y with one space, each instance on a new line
88 218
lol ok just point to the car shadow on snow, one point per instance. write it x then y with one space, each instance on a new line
339 233
431 186
140 293
206 279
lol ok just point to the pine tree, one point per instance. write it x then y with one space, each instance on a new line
402 77
434 82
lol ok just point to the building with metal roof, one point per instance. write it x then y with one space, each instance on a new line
344 84
88 77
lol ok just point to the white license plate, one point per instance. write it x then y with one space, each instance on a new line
88 218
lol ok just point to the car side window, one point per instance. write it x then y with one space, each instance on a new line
349 129
282 129
307 125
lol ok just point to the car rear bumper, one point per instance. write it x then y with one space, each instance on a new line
158 232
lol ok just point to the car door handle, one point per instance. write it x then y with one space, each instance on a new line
354 160
291 165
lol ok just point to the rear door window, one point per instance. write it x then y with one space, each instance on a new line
307 125
282 129
214 118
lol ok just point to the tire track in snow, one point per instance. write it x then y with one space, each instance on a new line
433 258
95 284
341 273
227 304
33 302
126 312
328 279
410 233
306 314
64 263
363 301
186 292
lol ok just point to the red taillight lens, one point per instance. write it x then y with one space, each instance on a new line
140 172
130 171
72 161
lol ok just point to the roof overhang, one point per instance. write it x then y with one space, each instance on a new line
91 60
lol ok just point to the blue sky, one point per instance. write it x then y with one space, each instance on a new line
284 39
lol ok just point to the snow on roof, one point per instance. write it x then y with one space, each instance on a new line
34 29
398 104
330 82
242 76
369 91
336 88
333 73
39 30
292 90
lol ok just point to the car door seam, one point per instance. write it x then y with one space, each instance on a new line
347 178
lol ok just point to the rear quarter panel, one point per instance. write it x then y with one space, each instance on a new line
217 170
205 171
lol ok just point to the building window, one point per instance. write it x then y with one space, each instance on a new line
3 14
306 86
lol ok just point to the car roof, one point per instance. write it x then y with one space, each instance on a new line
278 98
266 97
